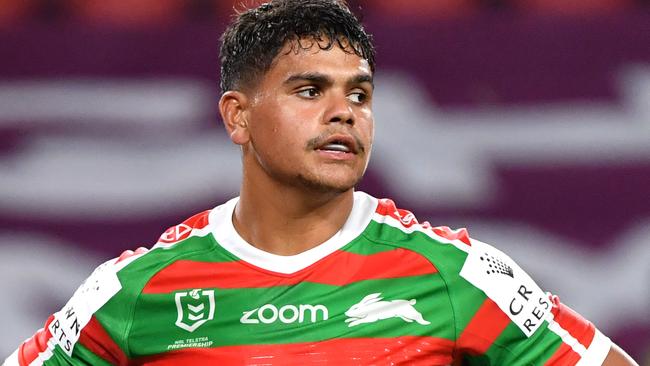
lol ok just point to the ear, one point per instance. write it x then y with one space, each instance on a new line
233 107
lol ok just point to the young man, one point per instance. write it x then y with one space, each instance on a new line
300 269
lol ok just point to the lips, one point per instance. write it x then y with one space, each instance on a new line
339 143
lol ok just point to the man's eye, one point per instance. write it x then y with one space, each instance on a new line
308 93
357 97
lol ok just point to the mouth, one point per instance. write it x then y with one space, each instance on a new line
339 143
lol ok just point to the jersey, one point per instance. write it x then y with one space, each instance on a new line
386 289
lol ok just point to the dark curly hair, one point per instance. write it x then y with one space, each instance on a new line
256 36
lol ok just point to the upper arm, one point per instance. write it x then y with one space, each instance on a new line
519 323
618 357
79 334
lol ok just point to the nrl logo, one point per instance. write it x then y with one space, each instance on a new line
372 308
194 308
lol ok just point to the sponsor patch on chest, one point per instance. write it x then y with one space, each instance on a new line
507 285
287 314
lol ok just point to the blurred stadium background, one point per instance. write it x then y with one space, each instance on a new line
527 121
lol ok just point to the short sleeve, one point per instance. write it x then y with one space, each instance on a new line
89 329
504 318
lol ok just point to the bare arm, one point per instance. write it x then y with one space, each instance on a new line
618 357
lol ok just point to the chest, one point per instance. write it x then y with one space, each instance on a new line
301 320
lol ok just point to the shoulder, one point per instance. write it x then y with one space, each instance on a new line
399 227
196 225
470 267
130 270
100 312
189 238
494 301
124 277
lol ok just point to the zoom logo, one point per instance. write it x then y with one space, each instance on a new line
286 314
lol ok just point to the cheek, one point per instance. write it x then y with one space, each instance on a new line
277 137
294 123
265 122
367 125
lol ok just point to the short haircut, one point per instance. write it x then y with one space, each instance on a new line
252 41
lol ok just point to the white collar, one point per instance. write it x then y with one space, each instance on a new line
224 232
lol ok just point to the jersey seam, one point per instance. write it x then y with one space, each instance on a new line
129 326
511 350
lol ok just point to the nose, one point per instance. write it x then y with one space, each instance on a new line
340 111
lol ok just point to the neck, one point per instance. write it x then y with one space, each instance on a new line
286 220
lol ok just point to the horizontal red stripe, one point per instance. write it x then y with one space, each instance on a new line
29 350
98 341
484 328
564 356
343 351
338 269
579 327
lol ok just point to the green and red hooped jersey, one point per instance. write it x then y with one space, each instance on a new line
385 289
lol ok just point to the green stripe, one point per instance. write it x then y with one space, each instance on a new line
81 356
83 353
364 247
437 251
535 350
152 331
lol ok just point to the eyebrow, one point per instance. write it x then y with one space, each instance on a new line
318 78
363 78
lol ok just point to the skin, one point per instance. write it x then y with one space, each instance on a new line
618 357
294 196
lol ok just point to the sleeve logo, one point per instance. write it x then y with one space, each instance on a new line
496 265
503 281
93 293
194 308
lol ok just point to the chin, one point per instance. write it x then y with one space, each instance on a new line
327 185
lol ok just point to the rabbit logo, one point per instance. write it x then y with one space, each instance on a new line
372 308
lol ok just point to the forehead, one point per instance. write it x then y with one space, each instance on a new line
311 56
